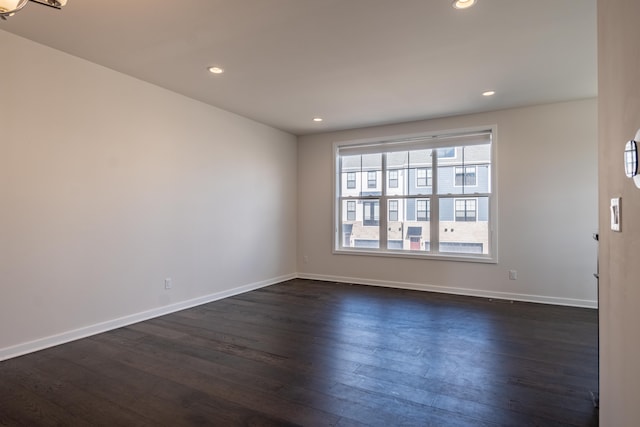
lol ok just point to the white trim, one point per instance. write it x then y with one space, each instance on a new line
397 179
407 141
427 169
464 175
434 141
354 210
427 212
65 337
355 180
389 253
541 299
455 211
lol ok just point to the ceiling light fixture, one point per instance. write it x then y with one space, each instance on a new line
489 93
463 4
216 70
10 7
317 119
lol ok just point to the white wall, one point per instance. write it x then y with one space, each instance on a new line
547 189
108 185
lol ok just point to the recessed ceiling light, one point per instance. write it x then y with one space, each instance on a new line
489 93
463 4
216 70
317 119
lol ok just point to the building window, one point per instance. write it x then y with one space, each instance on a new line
372 179
393 210
351 210
447 153
443 166
465 209
351 180
465 176
393 179
423 177
422 210
371 213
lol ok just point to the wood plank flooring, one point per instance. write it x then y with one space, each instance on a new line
311 353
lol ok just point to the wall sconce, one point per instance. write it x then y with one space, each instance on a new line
463 4
631 159
10 7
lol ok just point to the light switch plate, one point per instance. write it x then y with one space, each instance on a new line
615 214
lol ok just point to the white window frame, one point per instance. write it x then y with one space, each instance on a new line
396 179
465 199
355 184
396 210
464 176
371 213
427 211
374 179
428 177
446 138
351 211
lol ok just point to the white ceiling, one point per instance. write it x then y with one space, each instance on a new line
353 62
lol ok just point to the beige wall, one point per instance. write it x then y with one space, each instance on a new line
547 188
619 118
108 185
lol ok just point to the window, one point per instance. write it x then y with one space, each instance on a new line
447 153
434 214
393 210
465 209
372 179
423 177
371 213
465 176
351 210
422 210
351 180
393 179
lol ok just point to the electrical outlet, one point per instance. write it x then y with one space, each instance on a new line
168 283
513 274
305 259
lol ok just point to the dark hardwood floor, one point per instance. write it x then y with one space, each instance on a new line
318 353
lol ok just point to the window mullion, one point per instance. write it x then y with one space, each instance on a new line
434 219
338 211
383 224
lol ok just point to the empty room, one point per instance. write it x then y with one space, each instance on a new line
319 213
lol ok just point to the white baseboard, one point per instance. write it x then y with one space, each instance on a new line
65 337
456 291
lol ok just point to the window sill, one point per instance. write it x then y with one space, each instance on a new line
486 259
